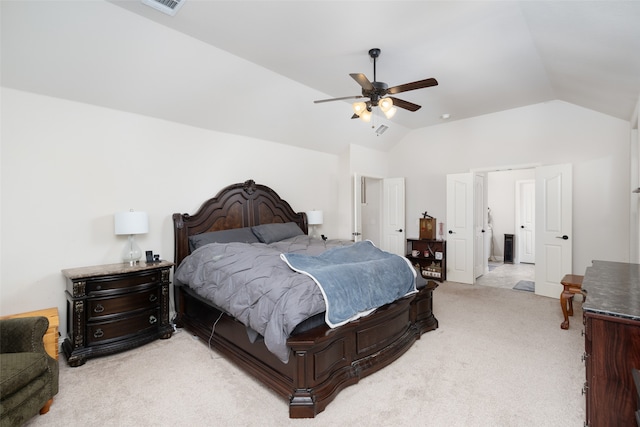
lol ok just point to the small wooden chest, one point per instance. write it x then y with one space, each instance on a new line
428 228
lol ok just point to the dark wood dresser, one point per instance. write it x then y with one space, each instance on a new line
115 307
612 343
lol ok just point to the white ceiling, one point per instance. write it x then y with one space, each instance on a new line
254 68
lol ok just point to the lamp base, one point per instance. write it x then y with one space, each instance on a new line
131 252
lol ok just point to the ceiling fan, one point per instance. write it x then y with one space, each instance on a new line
377 93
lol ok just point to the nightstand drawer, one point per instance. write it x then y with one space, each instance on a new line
119 329
102 285
101 307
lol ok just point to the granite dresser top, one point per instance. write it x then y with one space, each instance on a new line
613 288
107 269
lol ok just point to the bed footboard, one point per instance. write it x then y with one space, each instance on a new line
323 361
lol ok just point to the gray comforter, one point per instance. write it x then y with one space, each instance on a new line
252 283
239 278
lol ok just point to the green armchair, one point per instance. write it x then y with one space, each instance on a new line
28 375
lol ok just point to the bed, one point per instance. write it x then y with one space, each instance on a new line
321 360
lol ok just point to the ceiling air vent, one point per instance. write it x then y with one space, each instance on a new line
381 129
170 7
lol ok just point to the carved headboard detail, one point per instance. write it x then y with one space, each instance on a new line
238 205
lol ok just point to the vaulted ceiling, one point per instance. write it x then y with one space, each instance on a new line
254 68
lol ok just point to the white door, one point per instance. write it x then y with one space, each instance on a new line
460 262
393 227
526 221
553 228
480 259
356 234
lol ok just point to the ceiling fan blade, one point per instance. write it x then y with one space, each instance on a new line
405 104
412 86
362 81
337 99
355 116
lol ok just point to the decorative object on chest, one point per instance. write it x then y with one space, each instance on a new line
427 227
115 307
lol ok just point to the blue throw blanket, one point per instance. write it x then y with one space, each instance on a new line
356 279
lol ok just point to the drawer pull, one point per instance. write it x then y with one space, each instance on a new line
152 319
98 333
153 298
99 309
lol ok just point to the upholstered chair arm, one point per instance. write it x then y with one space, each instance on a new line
22 335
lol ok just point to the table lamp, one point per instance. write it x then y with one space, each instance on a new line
314 218
131 223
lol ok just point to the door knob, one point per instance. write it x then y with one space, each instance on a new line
522 226
399 231
451 232
564 237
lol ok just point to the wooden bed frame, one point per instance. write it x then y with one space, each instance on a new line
322 361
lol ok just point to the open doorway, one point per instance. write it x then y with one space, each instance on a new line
371 209
511 221
378 207
511 210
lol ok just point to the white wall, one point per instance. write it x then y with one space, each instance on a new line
548 133
68 167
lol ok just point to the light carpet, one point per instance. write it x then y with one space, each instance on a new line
499 358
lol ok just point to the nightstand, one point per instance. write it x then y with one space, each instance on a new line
115 307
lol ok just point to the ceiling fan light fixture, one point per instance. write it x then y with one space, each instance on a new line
390 112
385 104
359 107
376 91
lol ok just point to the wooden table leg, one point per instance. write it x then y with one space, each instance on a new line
565 297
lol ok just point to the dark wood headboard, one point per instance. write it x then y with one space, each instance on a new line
239 205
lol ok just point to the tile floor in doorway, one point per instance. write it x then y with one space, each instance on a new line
506 275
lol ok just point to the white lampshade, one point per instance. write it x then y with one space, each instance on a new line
314 217
365 116
385 104
359 107
131 223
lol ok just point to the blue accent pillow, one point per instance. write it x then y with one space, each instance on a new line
242 235
269 233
